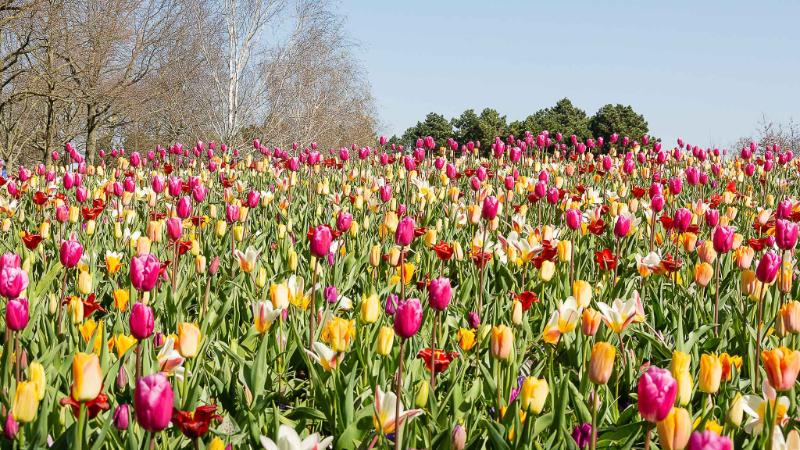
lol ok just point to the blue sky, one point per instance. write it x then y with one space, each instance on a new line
706 72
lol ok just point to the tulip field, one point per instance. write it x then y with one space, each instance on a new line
534 292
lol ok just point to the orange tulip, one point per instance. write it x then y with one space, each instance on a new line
782 366
87 378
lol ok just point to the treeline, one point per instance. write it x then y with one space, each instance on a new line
136 73
563 117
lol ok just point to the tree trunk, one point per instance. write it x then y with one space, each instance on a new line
91 132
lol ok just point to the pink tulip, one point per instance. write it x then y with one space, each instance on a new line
385 192
490 207
13 280
121 417
675 185
722 238
768 267
682 219
553 195
152 402
343 221
408 318
405 231
573 219
10 260
784 209
785 234
622 226
712 217
232 213
439 293
320 241
141 321
657 392
17 314
174 186
184 207
174 228
70 252
709 440
144 272
509 183
657 203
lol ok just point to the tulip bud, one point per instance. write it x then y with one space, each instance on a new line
421 399
601 362
385 340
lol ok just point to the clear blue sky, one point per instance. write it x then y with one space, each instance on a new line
705 72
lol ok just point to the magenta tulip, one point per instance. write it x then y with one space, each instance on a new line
785 234
405 231
17 314
343 221
13 280
490 207
573 219
439 293
682 219
141 321
408 318
722 238
709 440
152 402
144 272
174 228
657 392
70 252
184 208
232 213
622 226
768 267
320 241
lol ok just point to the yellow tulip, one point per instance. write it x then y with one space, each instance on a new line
466 339
383 346
370 308
534 394
87 378
123 343
26 402
674 431
338 333
121 297
84 283
710 373
582 291
38 377
189 338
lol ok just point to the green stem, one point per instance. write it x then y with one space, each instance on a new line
79 427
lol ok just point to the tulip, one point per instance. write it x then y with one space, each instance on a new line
601 362
343 221
10 427
767 269
404 234
790 316
582 291
710 373
408 318
13 280
709 440
782 366
144 272
573 219
489 208
657 391
622 226
153 402
141 321
439 293
533 394
735 412
87 378
70 252
17 314
458 439
590 321
786 234
703 272
189 337
174 228
383 345
184 207
673 431
121 417
502 342
722 239
370 308
26 402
